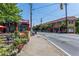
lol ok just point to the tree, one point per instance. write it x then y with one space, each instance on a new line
45 26
36 28
50 26
9 12
77 26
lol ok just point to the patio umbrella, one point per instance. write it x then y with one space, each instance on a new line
2 27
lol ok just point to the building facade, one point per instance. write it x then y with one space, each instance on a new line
59 25
23 25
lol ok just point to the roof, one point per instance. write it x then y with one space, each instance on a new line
61 19
24 21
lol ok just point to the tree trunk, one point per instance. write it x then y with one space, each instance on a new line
9 27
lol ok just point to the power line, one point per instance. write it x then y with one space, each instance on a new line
48 14
39 8
44 6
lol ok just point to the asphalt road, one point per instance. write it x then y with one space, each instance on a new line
68 42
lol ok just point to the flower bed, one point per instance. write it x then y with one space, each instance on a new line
14 47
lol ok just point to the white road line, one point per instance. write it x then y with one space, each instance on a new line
58 47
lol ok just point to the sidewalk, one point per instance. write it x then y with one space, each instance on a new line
38 46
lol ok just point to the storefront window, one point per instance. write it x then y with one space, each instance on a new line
22 27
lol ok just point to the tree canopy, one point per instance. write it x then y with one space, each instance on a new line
9 12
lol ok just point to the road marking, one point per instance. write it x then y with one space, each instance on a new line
58 47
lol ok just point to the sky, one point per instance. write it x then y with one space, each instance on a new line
25 10
48 12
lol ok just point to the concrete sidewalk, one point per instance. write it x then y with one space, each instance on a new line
38 46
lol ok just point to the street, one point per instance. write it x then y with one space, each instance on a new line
68 42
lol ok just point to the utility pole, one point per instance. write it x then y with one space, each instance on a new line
66 17
61 6
41 20
31 16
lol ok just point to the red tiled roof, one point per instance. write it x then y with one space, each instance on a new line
61 19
